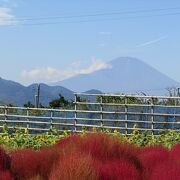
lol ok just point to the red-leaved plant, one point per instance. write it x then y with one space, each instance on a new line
4 160
6 175
24 164
74 166
47 158
151 157
120 169
106 148
175 153
167 170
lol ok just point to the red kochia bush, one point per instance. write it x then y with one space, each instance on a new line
166 171
73 139
106 152
92 157
4 160
105 148
74 166
5 175
175 153
47 158
118 170
151 157
24 164
68 144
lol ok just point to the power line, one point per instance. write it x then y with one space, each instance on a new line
19 21
94 15
91 20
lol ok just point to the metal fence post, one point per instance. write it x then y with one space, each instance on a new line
27 114
152 116
101 115
51 126
5 114
126 114
75 113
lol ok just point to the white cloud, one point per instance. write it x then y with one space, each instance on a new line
95 66
105 33
46 74
76 64
6 18
102 45
50 74
151 42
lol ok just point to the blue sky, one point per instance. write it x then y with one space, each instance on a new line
47 41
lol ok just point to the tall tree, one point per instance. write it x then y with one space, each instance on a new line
60 102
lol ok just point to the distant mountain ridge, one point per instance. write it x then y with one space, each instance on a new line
128 75
13 92
17 94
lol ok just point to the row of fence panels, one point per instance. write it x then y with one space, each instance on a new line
113 112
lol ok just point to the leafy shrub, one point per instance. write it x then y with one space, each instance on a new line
96 156
6 175
175 153
4 160
72 140
167 170
24 164
74 166
118 170
47 158
106 148
151 157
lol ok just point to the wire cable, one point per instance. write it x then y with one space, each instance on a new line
91 20
94 15
43 20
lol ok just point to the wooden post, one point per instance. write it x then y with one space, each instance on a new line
126 115
152 116
101 115
5 114
75 113
27 113
51 119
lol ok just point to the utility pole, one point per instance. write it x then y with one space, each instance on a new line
178 91
37 96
